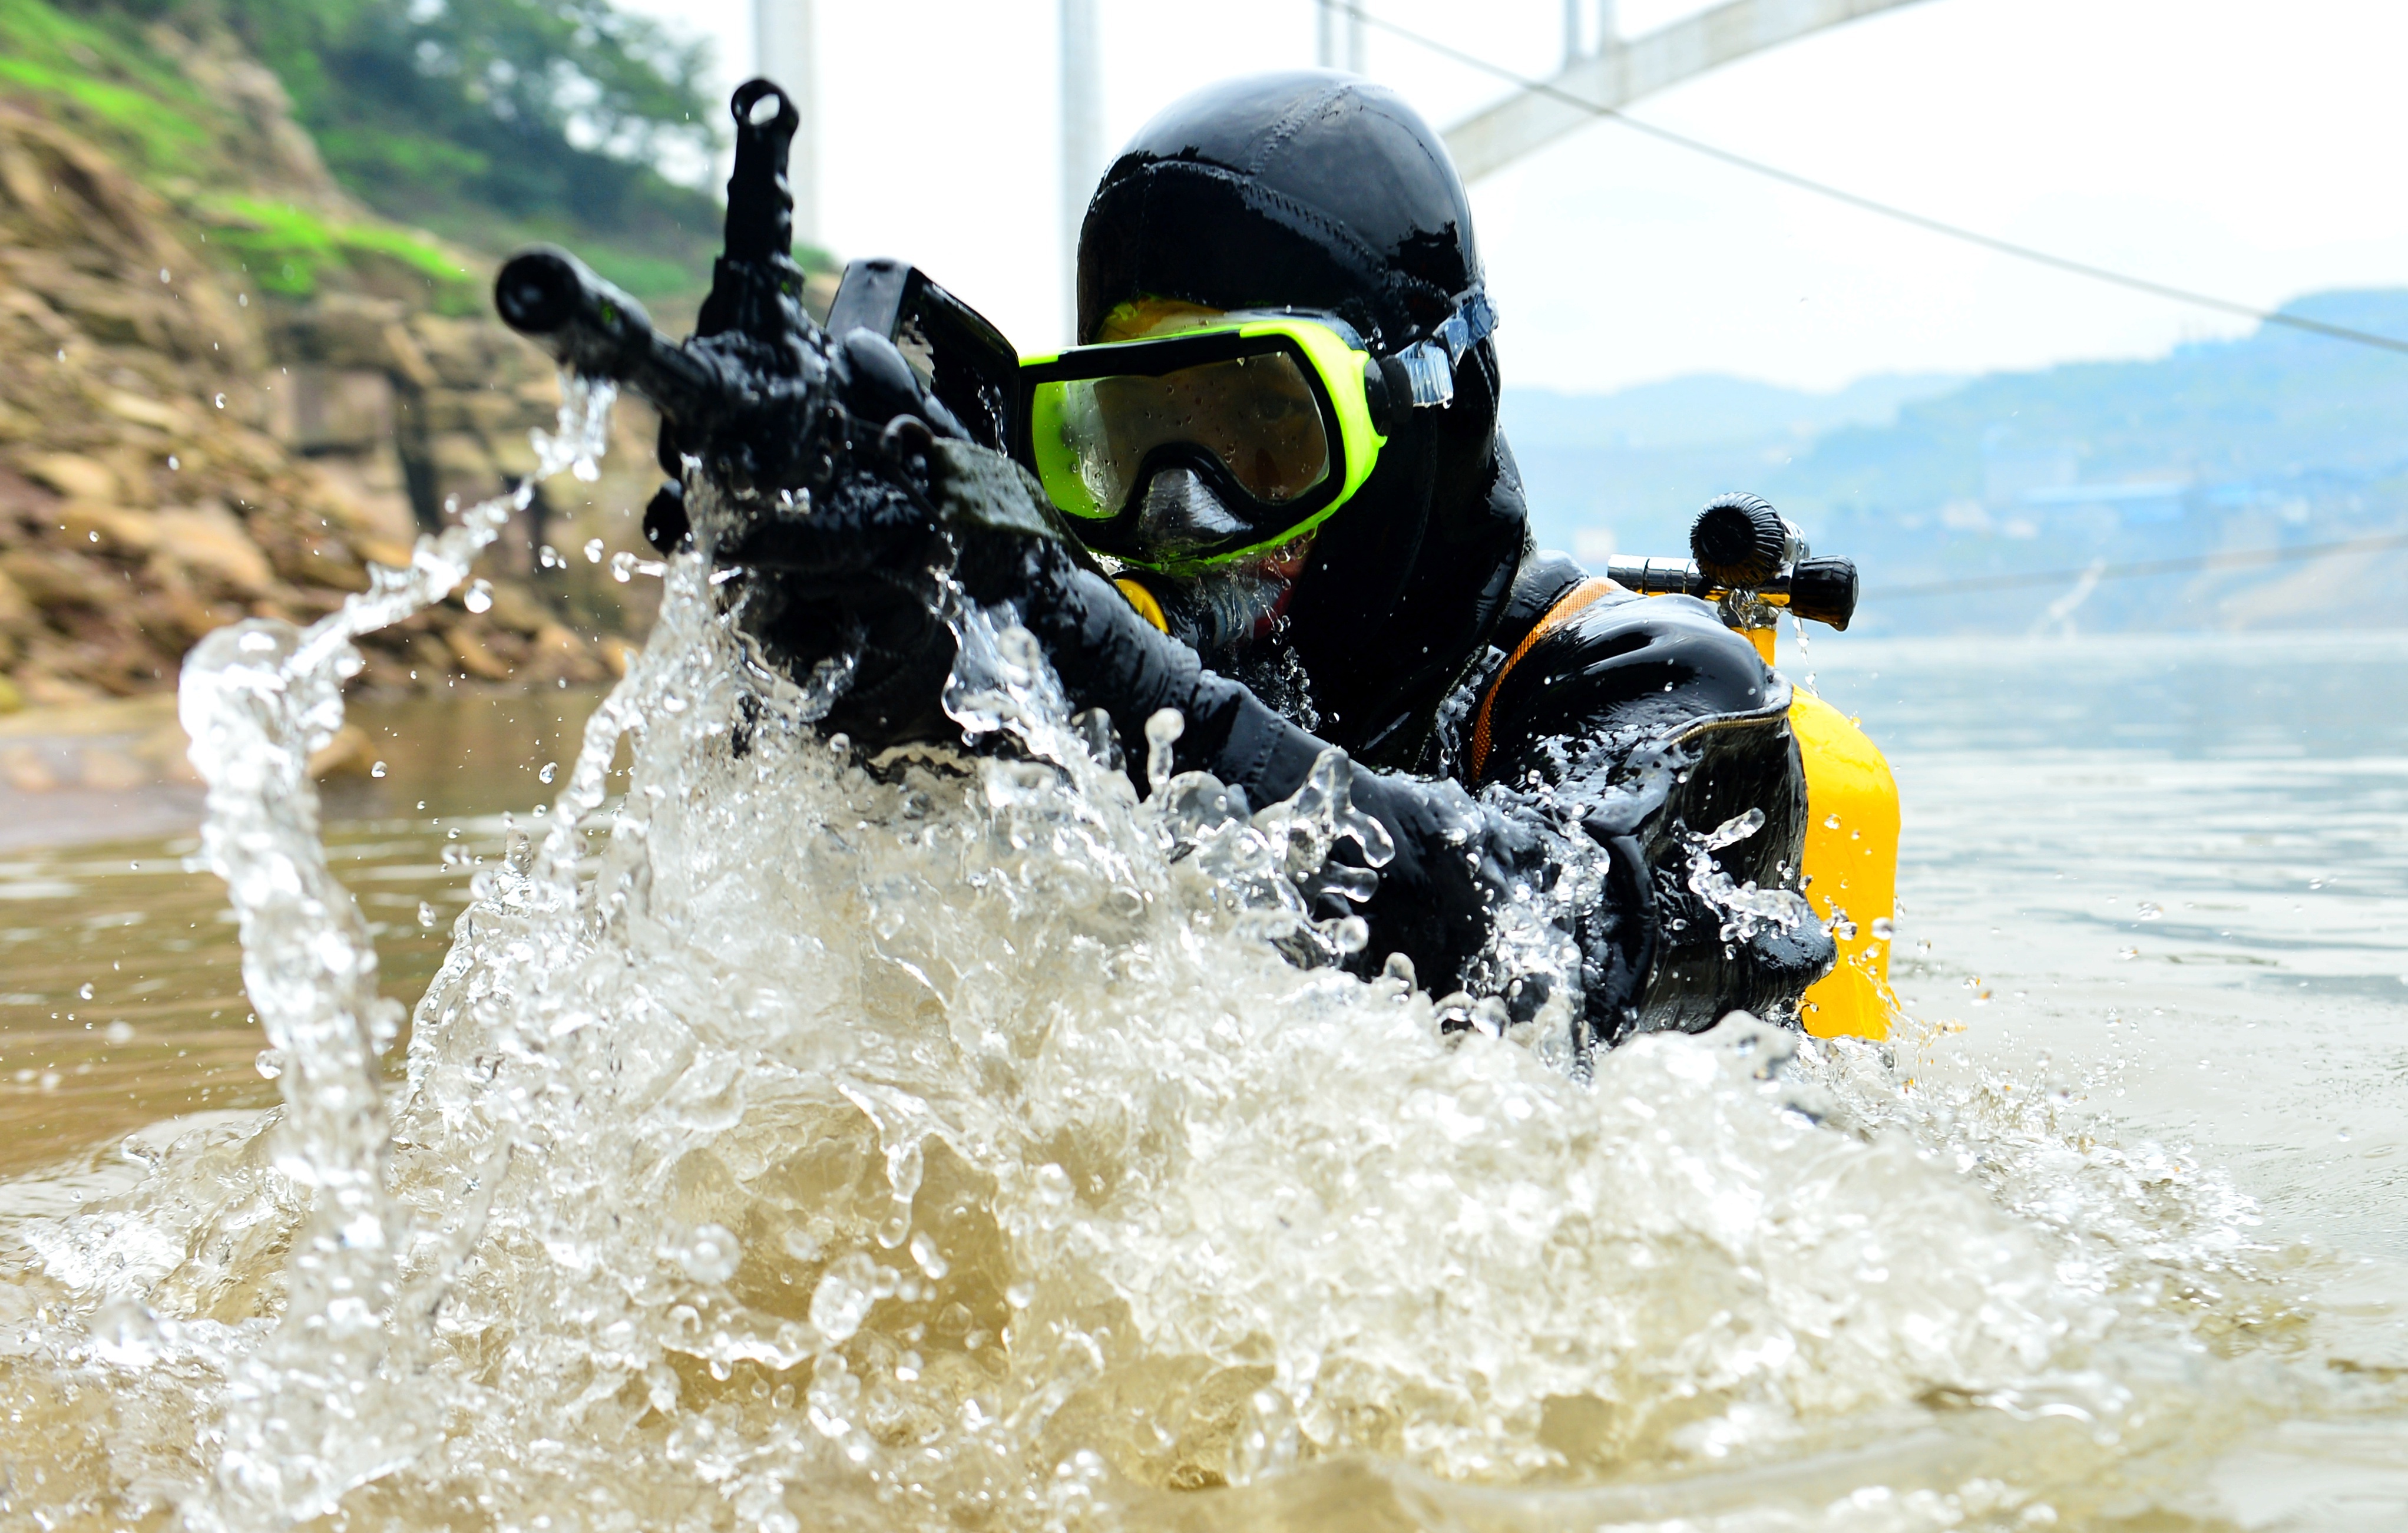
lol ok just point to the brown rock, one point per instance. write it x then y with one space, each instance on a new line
343 330
131 463
148 412
109 527
328 410
393 555
16 612
461 352
408 364
430 656
167 752
209 540
560 655
350 753
72 474
476 654
518 610
53 580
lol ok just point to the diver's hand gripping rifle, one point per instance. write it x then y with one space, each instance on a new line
1753 563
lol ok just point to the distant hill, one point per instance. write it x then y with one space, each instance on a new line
1629 464
2279 438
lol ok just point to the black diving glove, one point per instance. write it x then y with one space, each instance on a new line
847 575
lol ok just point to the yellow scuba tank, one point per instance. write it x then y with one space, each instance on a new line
1754 565
1850 867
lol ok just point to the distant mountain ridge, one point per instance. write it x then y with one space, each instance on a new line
2279 438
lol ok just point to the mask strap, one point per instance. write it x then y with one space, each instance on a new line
1429 364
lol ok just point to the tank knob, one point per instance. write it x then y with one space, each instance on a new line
1825 589
1740 541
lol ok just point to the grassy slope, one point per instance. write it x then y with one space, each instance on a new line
105 77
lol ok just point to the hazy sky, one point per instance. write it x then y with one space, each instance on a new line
2250 150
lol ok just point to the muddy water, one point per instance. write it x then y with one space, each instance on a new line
937 1154
164 1029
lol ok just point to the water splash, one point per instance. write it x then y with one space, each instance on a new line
1747 909
314 1412
958 1139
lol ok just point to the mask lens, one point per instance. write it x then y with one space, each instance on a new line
1257 414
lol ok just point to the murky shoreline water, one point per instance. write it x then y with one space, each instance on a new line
2104 1255
166 1029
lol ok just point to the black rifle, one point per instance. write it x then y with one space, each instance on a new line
766 400
841 479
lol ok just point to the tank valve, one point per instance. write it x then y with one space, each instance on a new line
1742 543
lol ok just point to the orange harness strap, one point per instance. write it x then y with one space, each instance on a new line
1567 607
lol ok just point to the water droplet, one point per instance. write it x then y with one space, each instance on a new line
125 1335
219 401
269 1063
930 1260
844 1297
623 567
84 990
1831 822
661 1387
2150 910
594 550
1053 1185
480 598
377 771
174 463
1883 930
427 916
711 1254
550 770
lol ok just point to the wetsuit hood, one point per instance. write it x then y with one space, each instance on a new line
1323 192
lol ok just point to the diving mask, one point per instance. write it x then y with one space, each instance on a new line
1182 451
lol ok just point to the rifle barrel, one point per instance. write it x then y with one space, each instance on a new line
587 324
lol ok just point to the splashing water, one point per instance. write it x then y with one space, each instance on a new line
1747 909
962 1142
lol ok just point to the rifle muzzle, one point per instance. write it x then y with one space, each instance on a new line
590 326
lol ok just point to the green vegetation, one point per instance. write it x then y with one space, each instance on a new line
99 76
287 249
484 117
489 122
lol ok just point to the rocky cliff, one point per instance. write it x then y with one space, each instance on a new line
225 388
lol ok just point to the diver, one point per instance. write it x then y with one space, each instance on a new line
1276 499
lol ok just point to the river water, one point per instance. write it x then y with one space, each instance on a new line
789 1149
